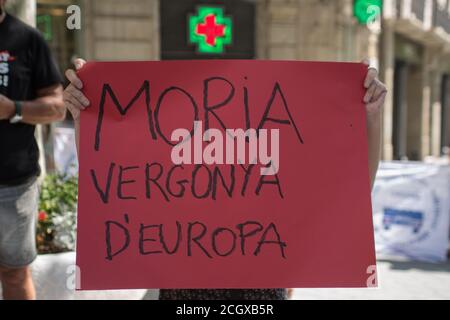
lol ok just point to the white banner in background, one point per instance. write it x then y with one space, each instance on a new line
65 152
411 207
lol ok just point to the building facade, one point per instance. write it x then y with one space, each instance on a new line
415 56
409 42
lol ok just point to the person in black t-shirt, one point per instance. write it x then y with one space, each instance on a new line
30 94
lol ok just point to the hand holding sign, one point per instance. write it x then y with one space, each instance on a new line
144 214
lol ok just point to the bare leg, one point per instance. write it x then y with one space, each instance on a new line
17 284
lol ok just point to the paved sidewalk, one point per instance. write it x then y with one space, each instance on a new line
397 280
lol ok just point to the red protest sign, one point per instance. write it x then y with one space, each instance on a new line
204 213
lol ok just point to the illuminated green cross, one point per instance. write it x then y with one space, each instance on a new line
366 11
210 30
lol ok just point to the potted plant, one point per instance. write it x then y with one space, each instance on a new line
56 226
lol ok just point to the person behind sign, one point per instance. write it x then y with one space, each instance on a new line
374 100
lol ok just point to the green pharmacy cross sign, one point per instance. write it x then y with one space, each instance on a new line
210 30
366 11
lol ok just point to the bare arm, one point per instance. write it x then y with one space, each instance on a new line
374 142
74 99
47 108
374 99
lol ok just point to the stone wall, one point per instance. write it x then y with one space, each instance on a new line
310 30
121 30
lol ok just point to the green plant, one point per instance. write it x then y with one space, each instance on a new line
56 227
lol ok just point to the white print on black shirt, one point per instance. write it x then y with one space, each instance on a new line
5 59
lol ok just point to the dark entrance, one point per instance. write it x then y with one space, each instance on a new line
400 109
